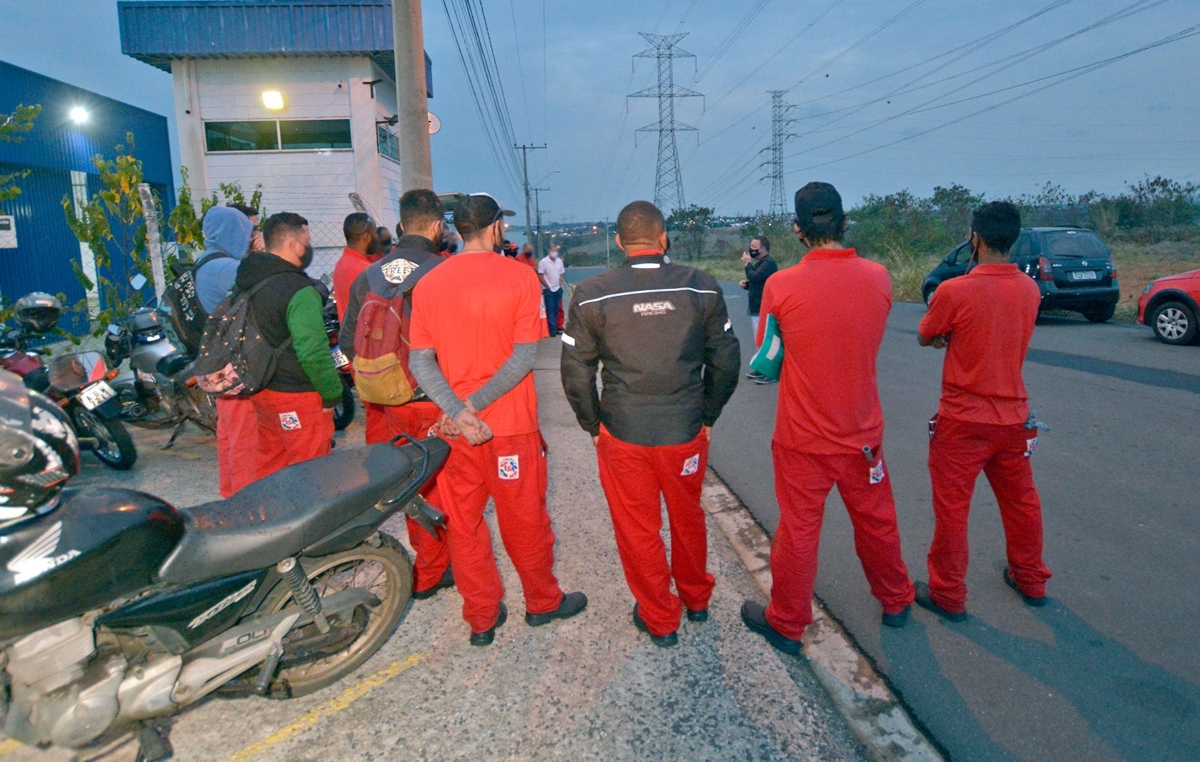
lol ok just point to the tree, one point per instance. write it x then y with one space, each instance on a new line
187 222
691 224
12 127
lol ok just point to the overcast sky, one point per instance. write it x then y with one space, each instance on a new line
1135 117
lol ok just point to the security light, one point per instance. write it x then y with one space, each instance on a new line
273 99
79 115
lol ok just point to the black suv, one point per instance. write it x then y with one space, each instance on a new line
1073 269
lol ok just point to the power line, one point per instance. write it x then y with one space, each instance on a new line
668 179
727 43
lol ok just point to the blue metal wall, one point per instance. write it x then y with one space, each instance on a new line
46 246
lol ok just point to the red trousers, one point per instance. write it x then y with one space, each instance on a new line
802 483
237 444
512 471
383 423
635 480
958 452
292 427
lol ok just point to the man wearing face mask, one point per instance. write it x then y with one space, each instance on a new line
295 410
477 320
422 214
550 271
362 246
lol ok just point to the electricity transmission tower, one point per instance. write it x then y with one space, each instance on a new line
668 180
780 121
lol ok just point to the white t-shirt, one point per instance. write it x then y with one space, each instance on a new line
552 270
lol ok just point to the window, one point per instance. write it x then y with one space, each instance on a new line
241 136
389 144
1077 244
308 134
276 135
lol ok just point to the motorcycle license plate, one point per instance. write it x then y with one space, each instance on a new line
340 361
96 395
1085 275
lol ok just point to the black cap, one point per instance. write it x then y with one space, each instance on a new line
818 202
476 212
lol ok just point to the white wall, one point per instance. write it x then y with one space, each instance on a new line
315 184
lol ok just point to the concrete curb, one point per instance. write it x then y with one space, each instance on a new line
872 711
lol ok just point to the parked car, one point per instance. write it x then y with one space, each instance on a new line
1169 307
1073 268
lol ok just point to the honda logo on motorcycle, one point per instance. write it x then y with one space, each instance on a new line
40 557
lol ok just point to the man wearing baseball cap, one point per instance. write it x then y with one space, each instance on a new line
477 319
828 424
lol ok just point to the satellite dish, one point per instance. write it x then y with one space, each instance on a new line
435 124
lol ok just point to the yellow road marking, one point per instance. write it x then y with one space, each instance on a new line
8 746
307 720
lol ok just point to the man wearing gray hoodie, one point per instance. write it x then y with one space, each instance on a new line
227 234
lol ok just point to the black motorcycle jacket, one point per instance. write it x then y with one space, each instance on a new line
670 360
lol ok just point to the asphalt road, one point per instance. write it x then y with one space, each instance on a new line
1110 670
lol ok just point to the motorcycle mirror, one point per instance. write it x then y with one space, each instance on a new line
137 282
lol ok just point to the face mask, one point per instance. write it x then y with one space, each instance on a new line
307 259
554 255
373 247
754 253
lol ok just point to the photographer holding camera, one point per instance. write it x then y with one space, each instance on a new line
759 267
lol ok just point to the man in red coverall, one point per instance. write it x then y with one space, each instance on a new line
985 320
422 214
671 362
476 324
362 246
829 424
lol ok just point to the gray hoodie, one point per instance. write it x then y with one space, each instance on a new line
226 231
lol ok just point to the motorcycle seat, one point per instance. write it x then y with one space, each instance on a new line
284 513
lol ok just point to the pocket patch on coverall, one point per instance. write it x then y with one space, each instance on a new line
289 421
1030 447
509 467
691 465
877 473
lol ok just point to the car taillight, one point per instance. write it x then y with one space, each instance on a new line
1045 269
1112 266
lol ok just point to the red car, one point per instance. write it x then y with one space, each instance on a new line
1170 307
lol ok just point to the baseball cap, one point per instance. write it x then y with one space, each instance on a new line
818 202
477 211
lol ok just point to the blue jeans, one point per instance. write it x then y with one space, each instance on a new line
552 300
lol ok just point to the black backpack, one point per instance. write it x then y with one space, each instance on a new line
235 359
181 304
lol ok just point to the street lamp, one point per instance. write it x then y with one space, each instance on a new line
555 172
79 115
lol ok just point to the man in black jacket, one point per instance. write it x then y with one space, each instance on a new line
295 410
759 267
423 215
671 362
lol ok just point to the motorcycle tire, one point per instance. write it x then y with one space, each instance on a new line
392 585
343 413
116 449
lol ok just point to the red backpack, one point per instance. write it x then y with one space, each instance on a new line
381 371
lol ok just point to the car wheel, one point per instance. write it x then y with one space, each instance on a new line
1174 323
1101 314
927 292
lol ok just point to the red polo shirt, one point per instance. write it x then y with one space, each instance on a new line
832 309
347 269
989 313
471 310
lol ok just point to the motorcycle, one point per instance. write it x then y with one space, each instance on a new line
120 608
343 413
157 391
78 382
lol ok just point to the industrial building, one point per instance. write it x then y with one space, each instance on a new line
298 97
37 247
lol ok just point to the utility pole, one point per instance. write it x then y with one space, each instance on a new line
607 246
538 203
779 135
668 180
525 169
412 103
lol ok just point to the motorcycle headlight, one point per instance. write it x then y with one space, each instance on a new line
1146 290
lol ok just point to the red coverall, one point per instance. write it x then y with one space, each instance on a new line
990 315
292 427
349 266
237 443
828 412
415 419
472 309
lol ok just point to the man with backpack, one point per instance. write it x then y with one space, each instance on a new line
295 406
228 235
362 244
374 335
